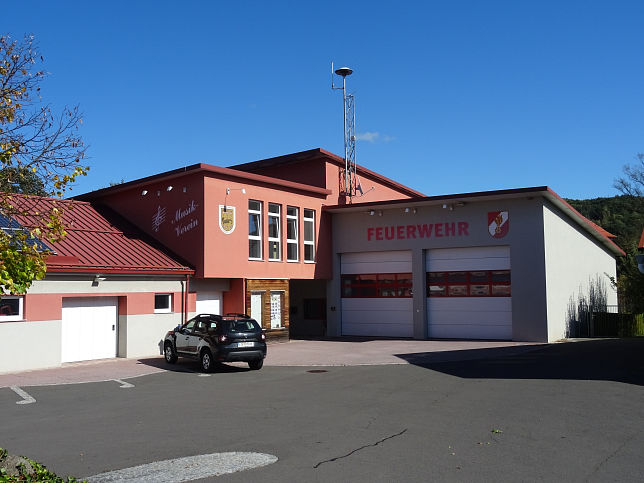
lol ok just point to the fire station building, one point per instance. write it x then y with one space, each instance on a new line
278 239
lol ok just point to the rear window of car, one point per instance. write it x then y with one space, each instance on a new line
243 326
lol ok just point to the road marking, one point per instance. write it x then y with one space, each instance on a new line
204 375
187 469
124 385
26 398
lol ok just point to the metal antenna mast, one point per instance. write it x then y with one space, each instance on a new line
348 102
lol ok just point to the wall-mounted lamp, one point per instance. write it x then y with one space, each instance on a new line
98 278
144 192
185 189
228 190
158 192
372 212
411 210
169 188
380 213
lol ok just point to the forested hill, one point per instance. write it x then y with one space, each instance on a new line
622 216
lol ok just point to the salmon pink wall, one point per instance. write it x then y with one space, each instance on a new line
43 307
49 306
226 255
234 299
175 217
307 172
380 191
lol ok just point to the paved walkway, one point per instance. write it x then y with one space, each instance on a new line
343 352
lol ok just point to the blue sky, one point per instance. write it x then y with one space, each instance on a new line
451 96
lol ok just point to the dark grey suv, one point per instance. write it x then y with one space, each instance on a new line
217 338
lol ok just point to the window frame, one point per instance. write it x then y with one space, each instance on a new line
163 310
397 285
21 310
310 243
275 217
460 284
293 242
257 238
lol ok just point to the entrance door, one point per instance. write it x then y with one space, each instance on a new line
89 328
256 307
209 302
276 310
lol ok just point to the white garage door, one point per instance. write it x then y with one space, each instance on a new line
376 294
470 293
209 302
89 328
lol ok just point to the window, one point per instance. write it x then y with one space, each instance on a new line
475 283
309 235
162 303
254 230
274 248
11 308
377 285
292 230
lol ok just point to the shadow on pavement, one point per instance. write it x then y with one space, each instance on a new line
619 360
189 365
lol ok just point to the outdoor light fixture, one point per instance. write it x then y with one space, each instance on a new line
144 192
372 212
228 190
380 213
169 188
98 278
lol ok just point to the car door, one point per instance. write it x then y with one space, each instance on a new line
185 339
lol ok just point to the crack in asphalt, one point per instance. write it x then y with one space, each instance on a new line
613 454
361 448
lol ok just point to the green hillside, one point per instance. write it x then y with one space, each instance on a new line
622 216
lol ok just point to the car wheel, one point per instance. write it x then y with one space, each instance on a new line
206 360
169 353
256 364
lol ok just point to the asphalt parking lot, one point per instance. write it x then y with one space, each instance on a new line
556 412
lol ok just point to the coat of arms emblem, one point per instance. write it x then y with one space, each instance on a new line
227 219
498 223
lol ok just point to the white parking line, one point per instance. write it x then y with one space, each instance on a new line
124 385
187 469
26 398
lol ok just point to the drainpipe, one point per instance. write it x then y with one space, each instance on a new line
185 304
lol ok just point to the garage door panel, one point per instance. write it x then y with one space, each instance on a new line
380 317
89 328
377 330
209 302
469 317
376 262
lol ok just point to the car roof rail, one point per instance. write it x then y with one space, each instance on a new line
235 314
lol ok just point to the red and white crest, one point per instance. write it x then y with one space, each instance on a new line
498 223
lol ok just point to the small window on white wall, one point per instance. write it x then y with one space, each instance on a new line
162 303
11 308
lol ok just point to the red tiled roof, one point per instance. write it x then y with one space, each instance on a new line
98 240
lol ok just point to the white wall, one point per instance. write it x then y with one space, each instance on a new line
82 284
29 345
572 259
140 335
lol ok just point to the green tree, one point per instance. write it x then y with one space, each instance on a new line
632 183
32 140
21 180
622 216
